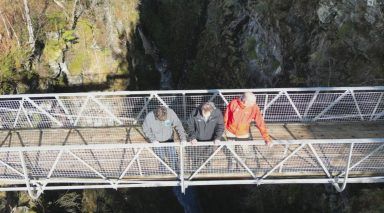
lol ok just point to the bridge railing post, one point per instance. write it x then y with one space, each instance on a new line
182 182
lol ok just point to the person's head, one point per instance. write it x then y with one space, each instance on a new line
160 113
248 98
207 109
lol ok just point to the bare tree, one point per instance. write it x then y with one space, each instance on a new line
60 4
5 24
31 40
13 31
77 11
111 31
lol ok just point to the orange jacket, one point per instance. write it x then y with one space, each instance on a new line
237 119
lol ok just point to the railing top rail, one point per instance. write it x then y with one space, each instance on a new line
165 92
145 145
331 104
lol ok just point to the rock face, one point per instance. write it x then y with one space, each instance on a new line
339 46
80 45
238 46
291 43
161 63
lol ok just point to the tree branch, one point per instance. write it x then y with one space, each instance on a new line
76 13
31 40
62 7
13 31
5 24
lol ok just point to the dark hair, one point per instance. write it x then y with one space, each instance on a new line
161 113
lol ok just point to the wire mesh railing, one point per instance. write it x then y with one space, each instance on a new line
127 108
68 155
182 164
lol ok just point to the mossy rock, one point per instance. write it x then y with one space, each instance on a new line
56 21
250 46
346 30
53 50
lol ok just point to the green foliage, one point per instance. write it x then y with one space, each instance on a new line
54 47
346 30
275 64
296 79
53 50
229 3
56 21
368 200
70 202
68 36
12 61
262 7
79 62
251 48
13 75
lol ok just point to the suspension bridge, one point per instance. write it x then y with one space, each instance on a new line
331 135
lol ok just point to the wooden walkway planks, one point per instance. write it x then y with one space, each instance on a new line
105 135
302 164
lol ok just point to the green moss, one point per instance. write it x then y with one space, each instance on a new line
275 64
79 62
261 7
296 80
345 30
56 21
250 46
69 36
53 50
12 70
315 56
85 30
6 66
12 61
229 3
81 59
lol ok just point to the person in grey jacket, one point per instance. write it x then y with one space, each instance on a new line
205 123
158 128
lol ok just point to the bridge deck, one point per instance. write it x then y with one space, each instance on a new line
105 135
309 151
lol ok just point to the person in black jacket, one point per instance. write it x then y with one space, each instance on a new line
206 123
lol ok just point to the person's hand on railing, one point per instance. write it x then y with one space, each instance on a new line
216 141
269 143
194 142
155 142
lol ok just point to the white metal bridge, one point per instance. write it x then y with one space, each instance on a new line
94 140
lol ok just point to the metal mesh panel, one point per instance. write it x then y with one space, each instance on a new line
173 161
373 155
70 167
158 161
333 156
10 159
98 109
275 112
39 163
231 158
367 103
88 149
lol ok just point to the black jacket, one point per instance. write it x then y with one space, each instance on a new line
205 131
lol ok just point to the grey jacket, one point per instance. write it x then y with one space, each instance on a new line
156 130
209 130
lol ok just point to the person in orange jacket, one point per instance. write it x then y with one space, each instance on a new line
238 116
